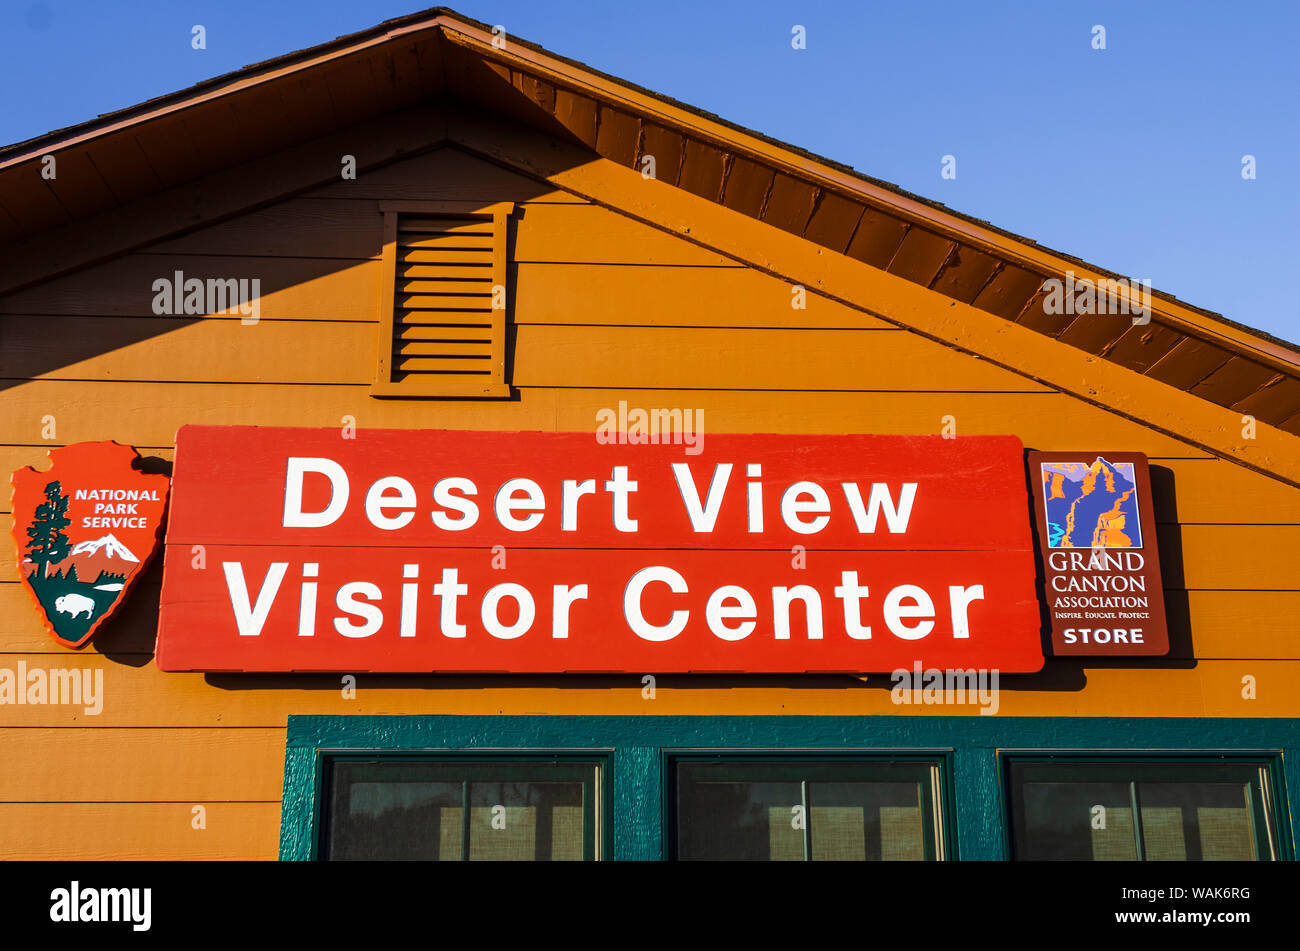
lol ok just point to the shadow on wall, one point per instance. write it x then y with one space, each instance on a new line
1169 538
253 309
110 306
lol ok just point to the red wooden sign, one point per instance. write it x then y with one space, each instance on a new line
84 530
406 551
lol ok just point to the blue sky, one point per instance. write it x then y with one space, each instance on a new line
1128 157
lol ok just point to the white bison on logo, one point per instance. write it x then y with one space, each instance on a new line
74 604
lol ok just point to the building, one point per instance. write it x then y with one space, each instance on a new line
230 255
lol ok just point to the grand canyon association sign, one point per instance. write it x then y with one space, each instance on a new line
84 530
1101 567
491 552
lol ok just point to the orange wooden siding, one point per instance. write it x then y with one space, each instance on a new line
606 308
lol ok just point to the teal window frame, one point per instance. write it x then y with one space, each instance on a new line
1136 766
477 765
974 746
937 821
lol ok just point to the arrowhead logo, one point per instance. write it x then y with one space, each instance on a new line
84 531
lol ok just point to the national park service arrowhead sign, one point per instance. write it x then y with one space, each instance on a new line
84 530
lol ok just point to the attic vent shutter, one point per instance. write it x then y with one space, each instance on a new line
442 317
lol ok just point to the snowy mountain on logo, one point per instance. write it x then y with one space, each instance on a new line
99 556
109 545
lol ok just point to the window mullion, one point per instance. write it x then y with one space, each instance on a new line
1253 818
464 820
1135 806
807 821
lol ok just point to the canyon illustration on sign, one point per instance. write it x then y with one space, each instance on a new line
1097 536
84 530
537 552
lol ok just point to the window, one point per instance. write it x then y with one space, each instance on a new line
675 787
1093 810
442 313
774 809
457 810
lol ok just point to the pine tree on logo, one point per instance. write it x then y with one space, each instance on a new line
48 545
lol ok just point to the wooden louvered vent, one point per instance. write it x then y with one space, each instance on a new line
443 313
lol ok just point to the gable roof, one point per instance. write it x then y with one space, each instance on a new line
123 158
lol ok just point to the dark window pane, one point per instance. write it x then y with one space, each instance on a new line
428 811
737 820
1084 811
792 811
393 813
1077 821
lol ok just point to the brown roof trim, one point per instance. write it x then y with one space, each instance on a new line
840 177
227 82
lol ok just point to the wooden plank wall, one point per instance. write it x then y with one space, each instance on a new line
605 309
